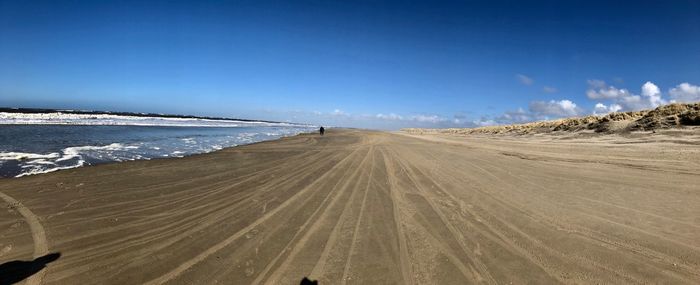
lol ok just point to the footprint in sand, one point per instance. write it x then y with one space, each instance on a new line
249 270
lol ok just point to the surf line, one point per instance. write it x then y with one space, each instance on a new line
41 246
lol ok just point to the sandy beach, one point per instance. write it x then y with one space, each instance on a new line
364 207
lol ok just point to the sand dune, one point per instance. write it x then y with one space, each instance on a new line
671 116
362 207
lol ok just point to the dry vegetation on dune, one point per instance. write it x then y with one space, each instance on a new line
664 117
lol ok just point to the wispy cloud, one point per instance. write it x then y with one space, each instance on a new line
524 79
596 83
390 116
338 112
549 89
389 120
508 117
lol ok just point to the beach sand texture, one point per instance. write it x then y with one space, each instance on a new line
362 207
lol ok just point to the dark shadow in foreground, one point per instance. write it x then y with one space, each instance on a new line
15 271
307 281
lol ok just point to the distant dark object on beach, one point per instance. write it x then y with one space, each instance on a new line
307 281
322 130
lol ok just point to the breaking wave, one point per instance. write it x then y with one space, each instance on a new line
58 118
133 143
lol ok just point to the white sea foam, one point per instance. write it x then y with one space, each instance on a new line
37 170
76 151
41 161
34 163
24 155
189 140
58 118
22 163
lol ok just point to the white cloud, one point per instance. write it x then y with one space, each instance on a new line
524 79
652 92
390 116
508 117
434 119
633 103
610 99
607 98
651 96
538 110
685 93
562 108
517 116
386 121
427 119
485 122
602 109
338 112
650 89
605 92
548 89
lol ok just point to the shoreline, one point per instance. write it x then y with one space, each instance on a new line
82 163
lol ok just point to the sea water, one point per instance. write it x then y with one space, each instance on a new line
27 149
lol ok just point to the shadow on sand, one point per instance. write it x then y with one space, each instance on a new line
307 281
15 271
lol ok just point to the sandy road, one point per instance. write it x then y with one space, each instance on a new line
358 207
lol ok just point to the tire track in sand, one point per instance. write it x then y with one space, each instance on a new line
203 255
322 262
41 245
405 266
355 233
412 176
313 221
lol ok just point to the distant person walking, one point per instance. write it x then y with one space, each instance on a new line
322 130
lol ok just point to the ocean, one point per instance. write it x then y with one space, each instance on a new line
27 149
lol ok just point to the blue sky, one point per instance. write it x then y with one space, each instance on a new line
372 64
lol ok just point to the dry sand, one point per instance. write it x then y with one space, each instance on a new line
371 208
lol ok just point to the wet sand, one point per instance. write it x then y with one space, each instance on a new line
363 207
